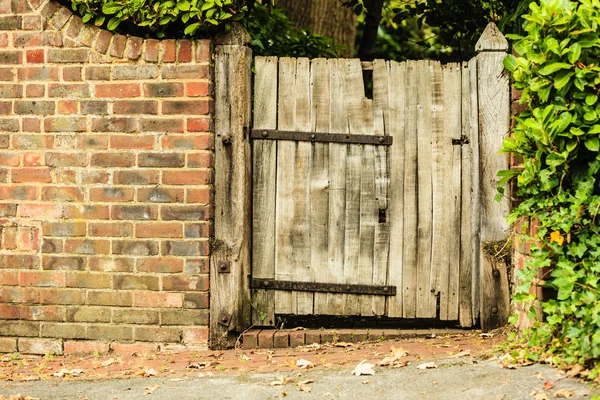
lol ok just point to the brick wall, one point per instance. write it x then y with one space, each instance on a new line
105 184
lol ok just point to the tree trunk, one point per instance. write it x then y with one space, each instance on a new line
326 18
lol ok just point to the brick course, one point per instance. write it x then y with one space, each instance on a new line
106 169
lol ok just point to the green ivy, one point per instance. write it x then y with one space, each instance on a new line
559 183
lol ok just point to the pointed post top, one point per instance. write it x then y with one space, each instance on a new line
491 40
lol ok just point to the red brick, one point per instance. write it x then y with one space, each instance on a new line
265 338
169 51
117 90
62 193
40 210
185 213
103 41
94 177
10 159
133 107
88 280
200 160
195 335
134 212
157 299
43 313
20 261
118 44
187 142
135 247
18 192
69 90
114 124
11 278
193 177
113 298
151 51
61 296
87 211
134 48
42 278
113 160
20 175
30 125
111 194
36 56
67 107
203 51
132 141
195 89
32 22
160 195
135 282
196 300
44 73
40 346
185 107
65 124
160 265
184 71
9 311
134 348
135 177
159 230
11 91
69 263
32 159
297 338
185 283
85 347
281 339
250 339
18 294
72 74
163 89
87 246
8 345
53 159
111 229
162 125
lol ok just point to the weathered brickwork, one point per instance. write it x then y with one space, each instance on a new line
106 167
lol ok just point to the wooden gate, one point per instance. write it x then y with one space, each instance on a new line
333 203
365 207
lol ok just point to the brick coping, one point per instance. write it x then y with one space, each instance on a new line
273 338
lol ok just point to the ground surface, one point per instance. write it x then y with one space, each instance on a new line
467 368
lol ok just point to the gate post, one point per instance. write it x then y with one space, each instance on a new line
230 252
494 124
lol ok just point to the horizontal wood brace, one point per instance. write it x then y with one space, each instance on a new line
272 284
271 134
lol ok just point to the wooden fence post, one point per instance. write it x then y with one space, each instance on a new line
494 124
230 256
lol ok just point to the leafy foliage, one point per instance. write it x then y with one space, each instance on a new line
559 185
271 31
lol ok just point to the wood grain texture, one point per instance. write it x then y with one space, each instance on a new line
284 204
411 194
494 123
302 302
264 187
397 96
426 296
319 187
230 293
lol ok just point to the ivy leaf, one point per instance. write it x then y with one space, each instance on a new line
552 68
592 144
510 62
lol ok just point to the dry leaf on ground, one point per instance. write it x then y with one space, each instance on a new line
200 365
428 365
395 358
19 397
282 381
364 368
304 364
564 393
576 370
147 372
150 389
245 357
68 372
462 354
343 344
548 385
539 395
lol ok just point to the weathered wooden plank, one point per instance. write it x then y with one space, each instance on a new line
284 203
476 192
381 102
264 179
494 117
441 147
468 201
394 126
337 187
354 94
302 270
230 293
320 118
369 210
410 230
426 299
452 101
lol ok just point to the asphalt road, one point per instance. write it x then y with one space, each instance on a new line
454 379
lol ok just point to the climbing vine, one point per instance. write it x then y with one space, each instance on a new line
558 185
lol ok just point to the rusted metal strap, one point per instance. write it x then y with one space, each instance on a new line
272 284
271 134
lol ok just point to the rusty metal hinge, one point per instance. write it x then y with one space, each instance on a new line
321 137
272 284
224 318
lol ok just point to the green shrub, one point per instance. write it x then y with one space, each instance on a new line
557 137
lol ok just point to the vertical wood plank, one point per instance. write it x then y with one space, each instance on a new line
230 293
354 94
494 123
264 179
337 186
452 101
428 78
382 126
441 114
476 195
284 203
319 188
302 270
467 237
410 249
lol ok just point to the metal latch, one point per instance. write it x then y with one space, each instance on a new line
223 267
224 318
459 142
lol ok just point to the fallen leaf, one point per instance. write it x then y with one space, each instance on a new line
176 380
245 357
282 381
108 362
304 364
200 365
67 372
364 368
366 382
343 344
540 395
428 365
147 372
462 354
304 388
548 385
394 359
574 371
151 389
565 393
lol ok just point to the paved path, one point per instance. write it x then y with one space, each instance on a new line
461 378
